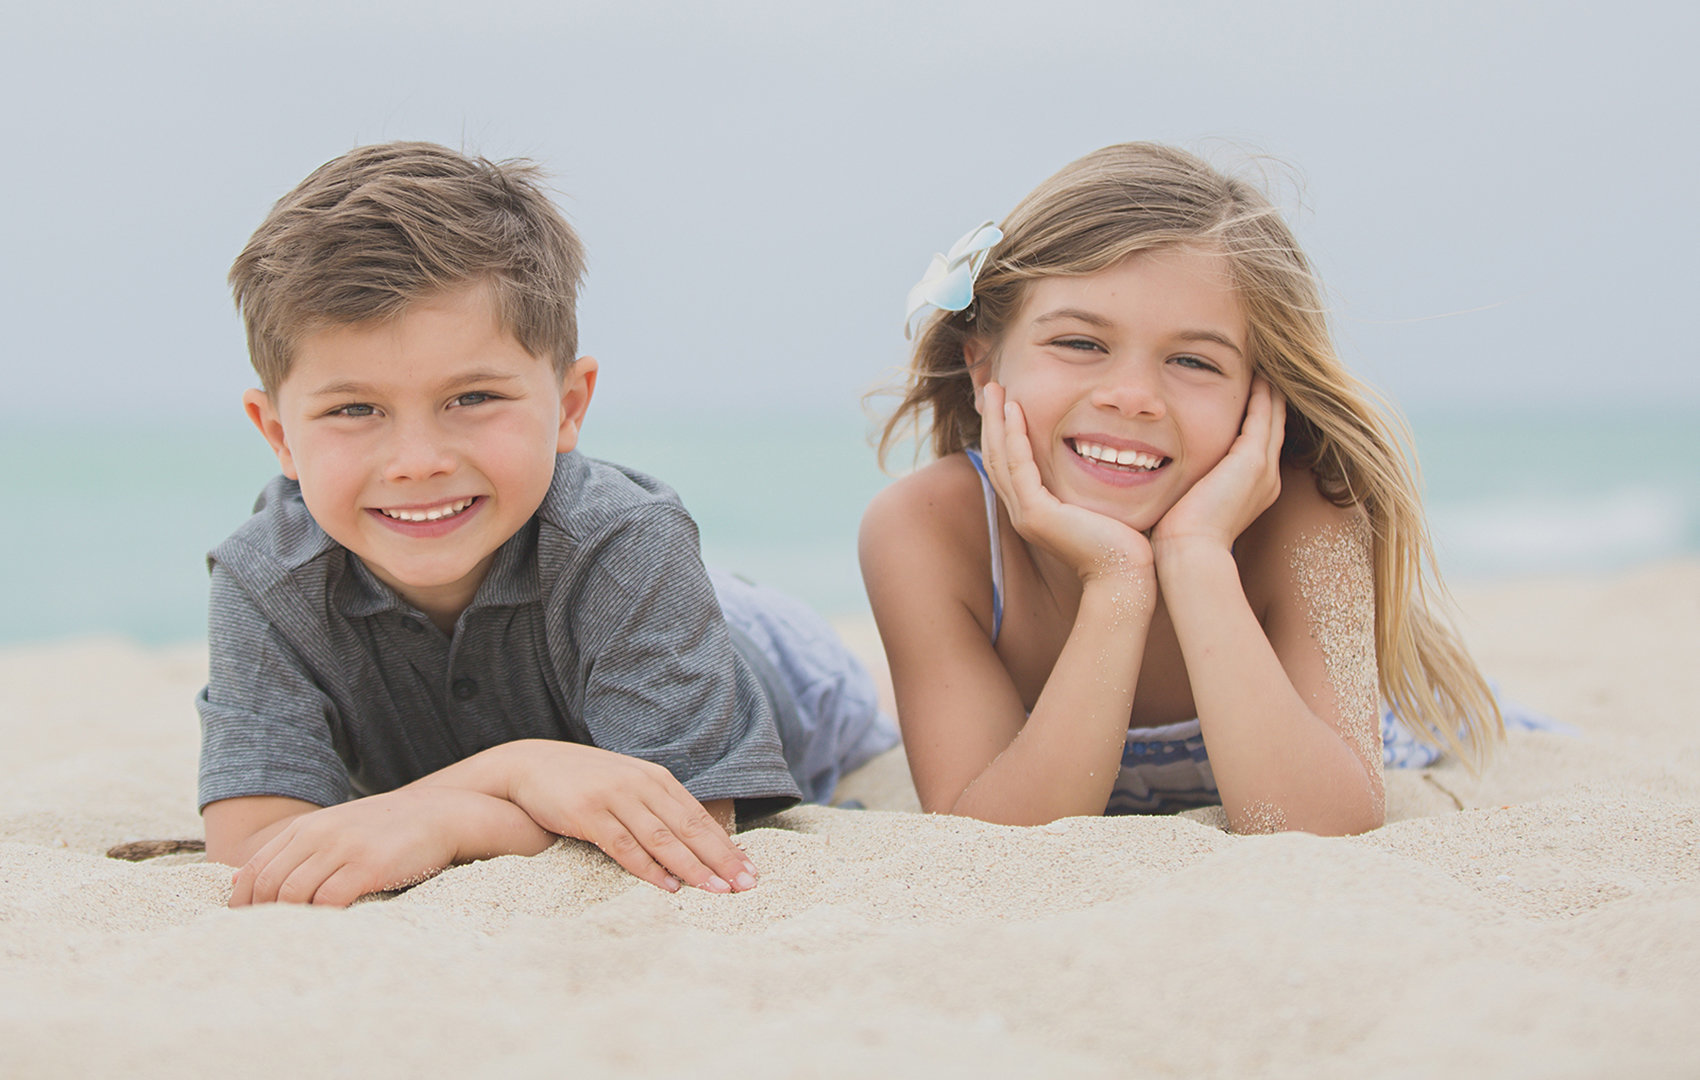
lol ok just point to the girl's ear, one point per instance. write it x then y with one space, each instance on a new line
577 386
977 355
262 413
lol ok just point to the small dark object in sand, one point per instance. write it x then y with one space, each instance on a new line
137 850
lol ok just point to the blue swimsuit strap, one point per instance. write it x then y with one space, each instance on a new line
997 548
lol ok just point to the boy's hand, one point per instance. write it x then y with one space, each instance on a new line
338 854
634 810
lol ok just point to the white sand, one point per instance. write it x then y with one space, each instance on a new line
1550 927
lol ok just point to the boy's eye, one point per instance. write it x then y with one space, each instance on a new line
476 397
353 410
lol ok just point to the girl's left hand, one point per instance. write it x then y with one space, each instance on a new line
1242 485
1093 545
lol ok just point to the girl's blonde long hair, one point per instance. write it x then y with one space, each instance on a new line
1134 197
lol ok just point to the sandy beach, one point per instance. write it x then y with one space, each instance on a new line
1541 919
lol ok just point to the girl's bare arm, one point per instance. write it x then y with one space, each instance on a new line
972 750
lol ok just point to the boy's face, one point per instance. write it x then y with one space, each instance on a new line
422 443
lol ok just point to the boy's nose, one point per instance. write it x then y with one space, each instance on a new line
417 452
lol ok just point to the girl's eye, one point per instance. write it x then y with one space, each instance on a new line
353 410
1197 362
1077 344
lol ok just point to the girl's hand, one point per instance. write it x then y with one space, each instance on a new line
1097 547
1242 485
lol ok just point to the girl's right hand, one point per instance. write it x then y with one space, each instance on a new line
1095 546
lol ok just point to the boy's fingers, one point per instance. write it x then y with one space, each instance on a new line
341 889
266 872
241 888
242 882
617 842
664 844
304 881
697 832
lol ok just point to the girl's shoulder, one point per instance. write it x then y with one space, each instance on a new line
932 500
929 527
1301 521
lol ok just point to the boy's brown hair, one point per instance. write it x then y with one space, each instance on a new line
370 232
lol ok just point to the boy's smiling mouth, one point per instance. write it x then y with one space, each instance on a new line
1125 459
427 514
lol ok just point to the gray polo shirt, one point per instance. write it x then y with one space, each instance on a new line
596 624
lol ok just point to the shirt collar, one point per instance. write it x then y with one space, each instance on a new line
510 581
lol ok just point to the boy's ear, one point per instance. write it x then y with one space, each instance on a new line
577 386
263 414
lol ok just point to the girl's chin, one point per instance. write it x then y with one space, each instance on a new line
1142 519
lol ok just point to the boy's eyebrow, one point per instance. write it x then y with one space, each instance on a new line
1092 318
349 388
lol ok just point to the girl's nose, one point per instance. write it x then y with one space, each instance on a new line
1131 388
418 450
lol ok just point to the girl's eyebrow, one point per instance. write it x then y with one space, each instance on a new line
1210 335
1078 314
1092 318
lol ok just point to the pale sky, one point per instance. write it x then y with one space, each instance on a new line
1501 196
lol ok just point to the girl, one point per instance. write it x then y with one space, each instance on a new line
1170 552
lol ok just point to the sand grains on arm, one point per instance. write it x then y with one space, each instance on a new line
1316 566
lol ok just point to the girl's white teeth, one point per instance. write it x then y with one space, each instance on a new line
434 514
1109 456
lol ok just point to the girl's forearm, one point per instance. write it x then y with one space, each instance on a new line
1277 764
1064 760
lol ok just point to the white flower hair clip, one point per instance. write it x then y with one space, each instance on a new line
948 283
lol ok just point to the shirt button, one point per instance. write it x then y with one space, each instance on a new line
465 689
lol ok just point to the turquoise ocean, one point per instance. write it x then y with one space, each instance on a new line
107 525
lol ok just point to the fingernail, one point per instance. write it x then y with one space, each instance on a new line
750 868
716 883
670 883
234 874
745 881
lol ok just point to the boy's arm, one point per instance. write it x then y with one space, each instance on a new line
293 851
634 810
339 853
637 635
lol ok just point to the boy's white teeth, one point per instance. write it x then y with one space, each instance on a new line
1108 456
436 513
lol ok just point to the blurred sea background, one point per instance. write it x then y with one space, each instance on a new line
1498 195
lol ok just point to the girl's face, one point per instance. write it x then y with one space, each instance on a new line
1133 380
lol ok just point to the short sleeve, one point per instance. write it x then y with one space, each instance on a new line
661 680
265 724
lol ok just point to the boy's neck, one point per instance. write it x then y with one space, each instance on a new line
442 604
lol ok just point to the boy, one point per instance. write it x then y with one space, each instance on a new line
440 610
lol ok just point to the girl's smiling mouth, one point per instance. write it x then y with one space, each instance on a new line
1122 459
